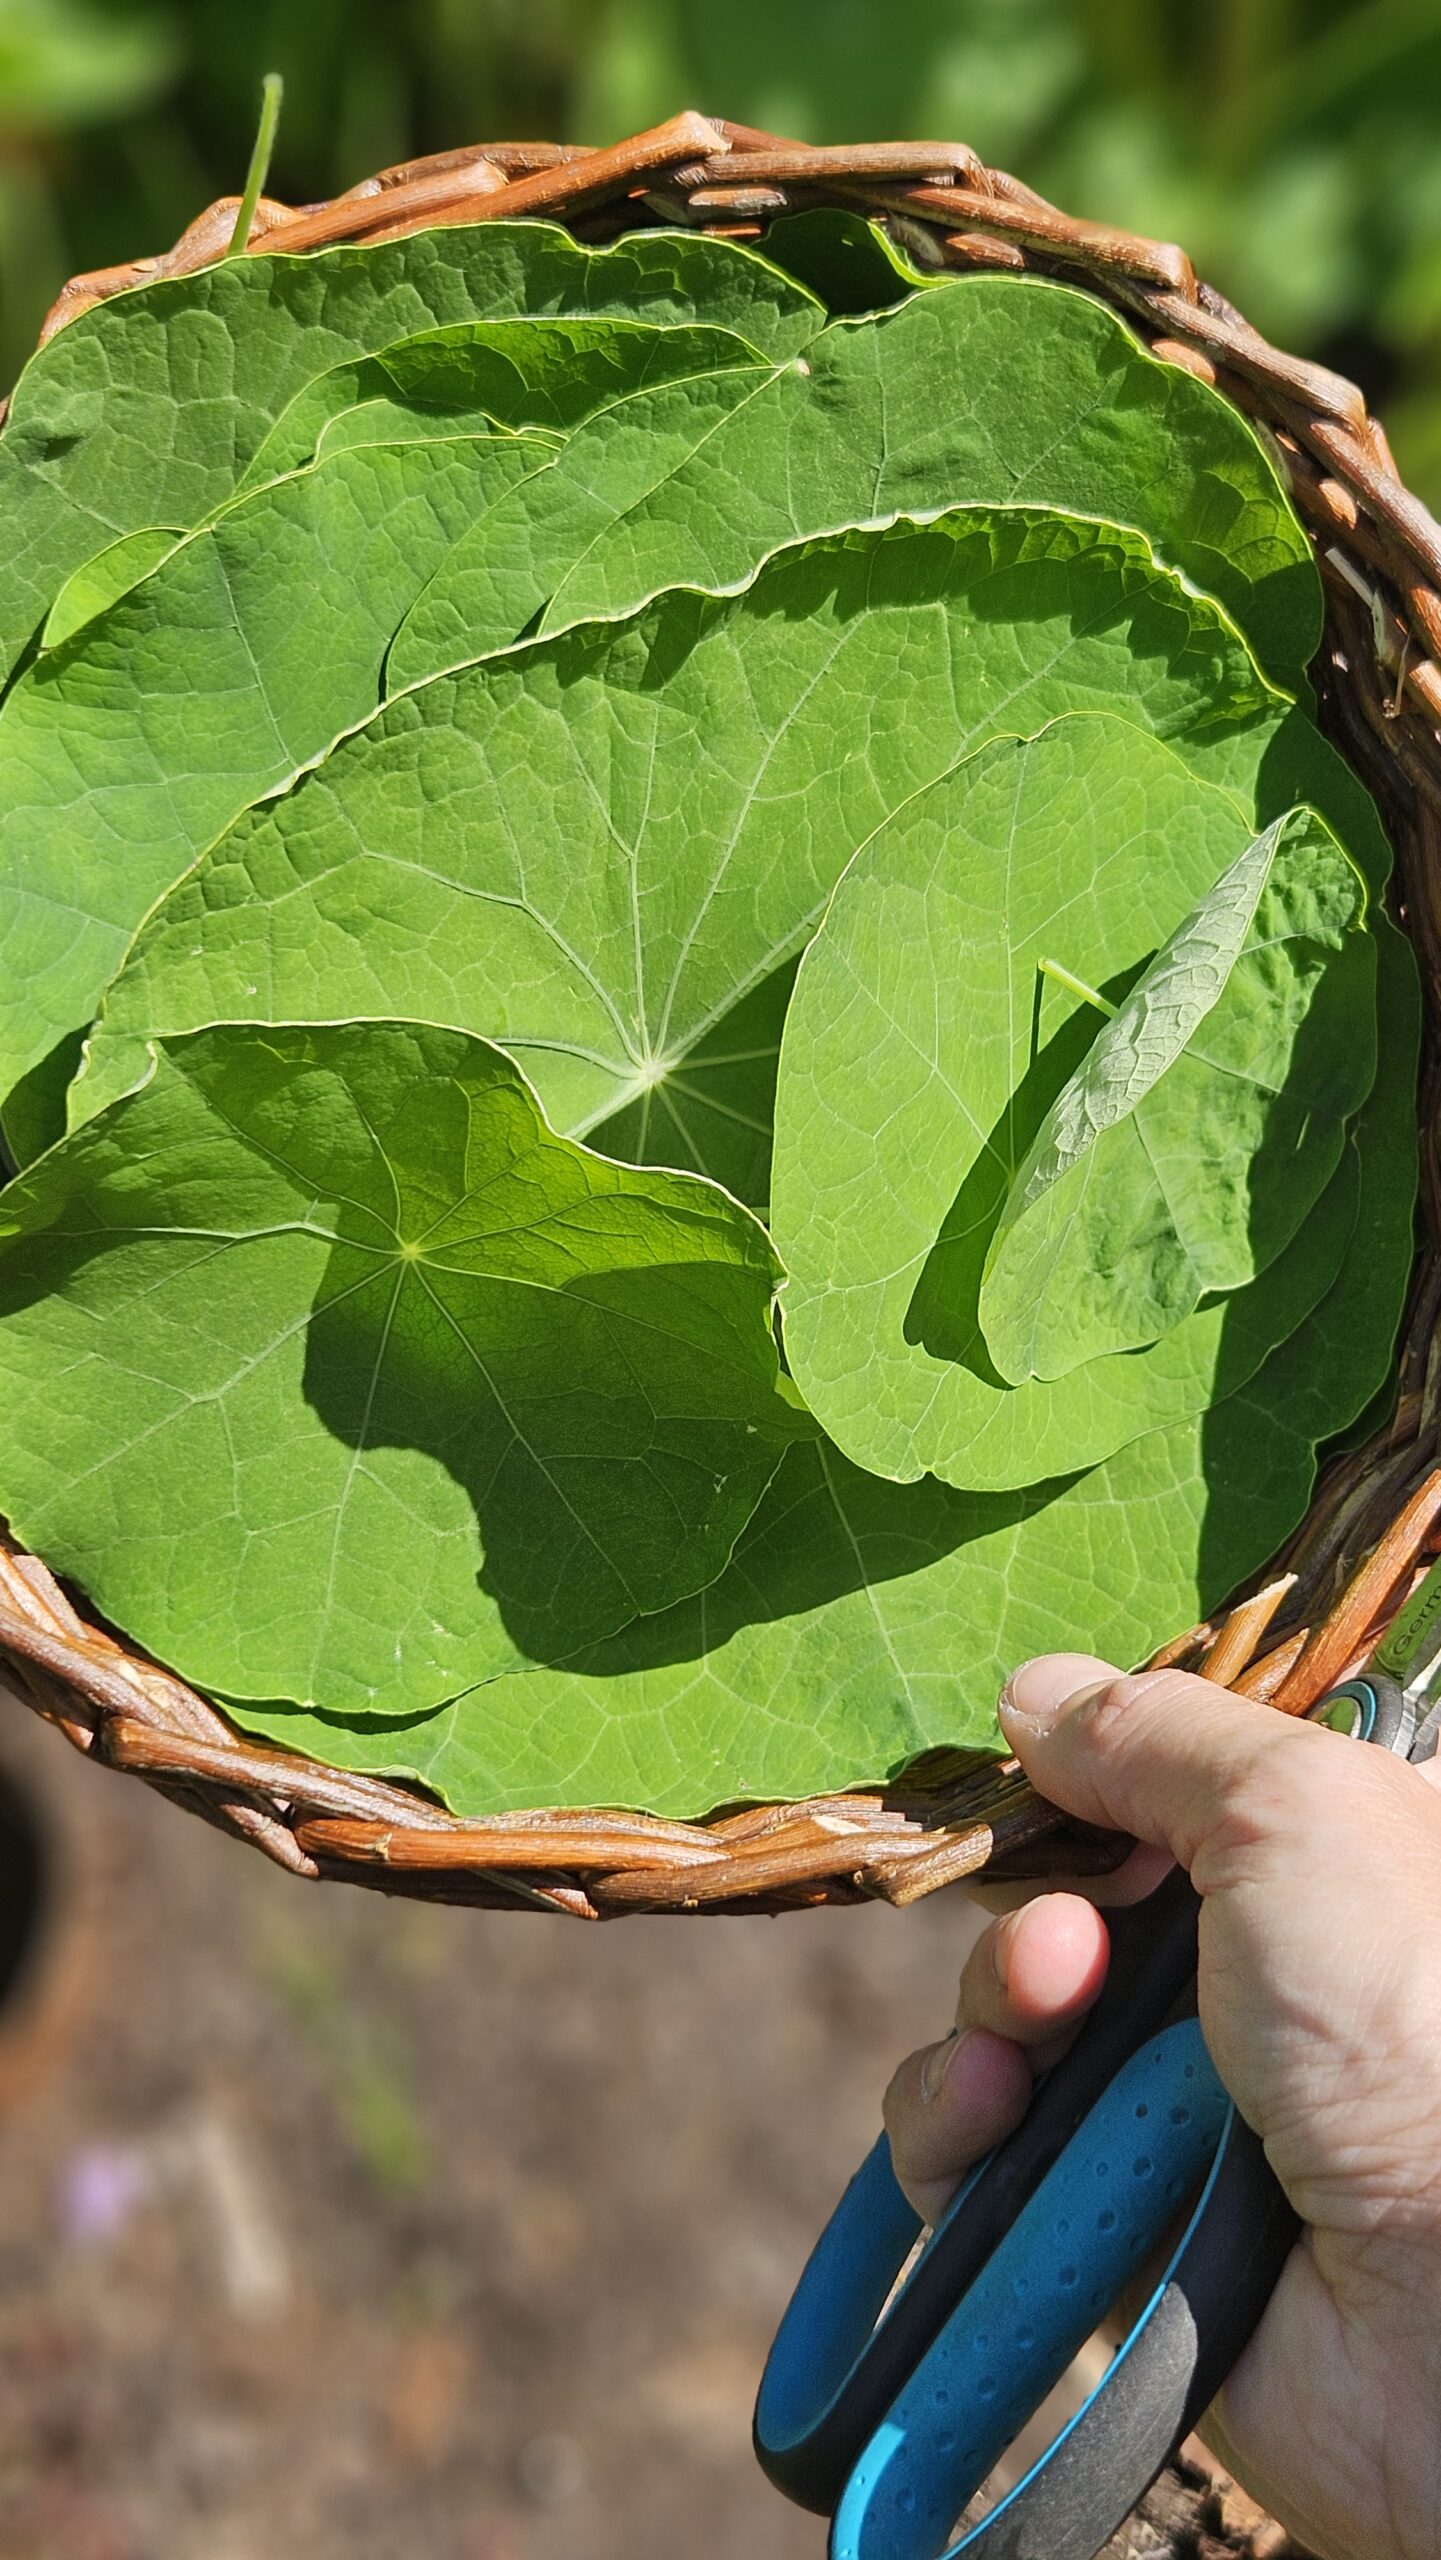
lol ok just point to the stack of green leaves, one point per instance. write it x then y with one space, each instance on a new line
695 1037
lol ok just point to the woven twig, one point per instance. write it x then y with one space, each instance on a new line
1377 1512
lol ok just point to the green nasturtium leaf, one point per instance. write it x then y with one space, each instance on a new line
1185 1150
538 377
257 641
922 1052
988 391
605 851
149 409
330 1370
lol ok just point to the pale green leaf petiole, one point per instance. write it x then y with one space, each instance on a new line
271 94
1066 978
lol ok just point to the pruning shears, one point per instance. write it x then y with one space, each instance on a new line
885 2409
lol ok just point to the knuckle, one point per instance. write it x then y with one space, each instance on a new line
1111 1707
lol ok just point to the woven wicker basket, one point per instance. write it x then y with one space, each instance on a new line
1377 1512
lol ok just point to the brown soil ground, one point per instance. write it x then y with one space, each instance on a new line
343 2230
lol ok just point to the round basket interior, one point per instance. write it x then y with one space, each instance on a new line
1376 1516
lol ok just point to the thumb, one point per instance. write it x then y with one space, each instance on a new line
1213 1779
1318 1861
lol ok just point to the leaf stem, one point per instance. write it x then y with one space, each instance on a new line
272 91
1077 986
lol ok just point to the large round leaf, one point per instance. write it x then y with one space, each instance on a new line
328 1368
861 1622
242 654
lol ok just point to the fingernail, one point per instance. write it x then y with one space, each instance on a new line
1032 1694
938 2062
1037 1690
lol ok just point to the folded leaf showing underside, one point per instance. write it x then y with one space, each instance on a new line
606 851
329 1369
1184 1152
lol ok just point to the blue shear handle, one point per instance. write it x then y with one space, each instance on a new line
834 2309
1144 2146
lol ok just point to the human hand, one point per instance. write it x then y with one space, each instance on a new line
1319 1867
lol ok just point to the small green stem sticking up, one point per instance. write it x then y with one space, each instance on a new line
270 96
1077 986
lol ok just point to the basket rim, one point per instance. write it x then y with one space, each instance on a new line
1376 1513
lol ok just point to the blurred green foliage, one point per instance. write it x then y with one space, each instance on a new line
1291 144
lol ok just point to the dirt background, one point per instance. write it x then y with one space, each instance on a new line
329 2226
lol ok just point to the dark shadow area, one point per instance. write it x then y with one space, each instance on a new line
35 1107
1297 766
838 258
714 1113
589 1504
943 1316
25 1889
1258 1472
1373 1419
822 1531
1294 1162
1261 1446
